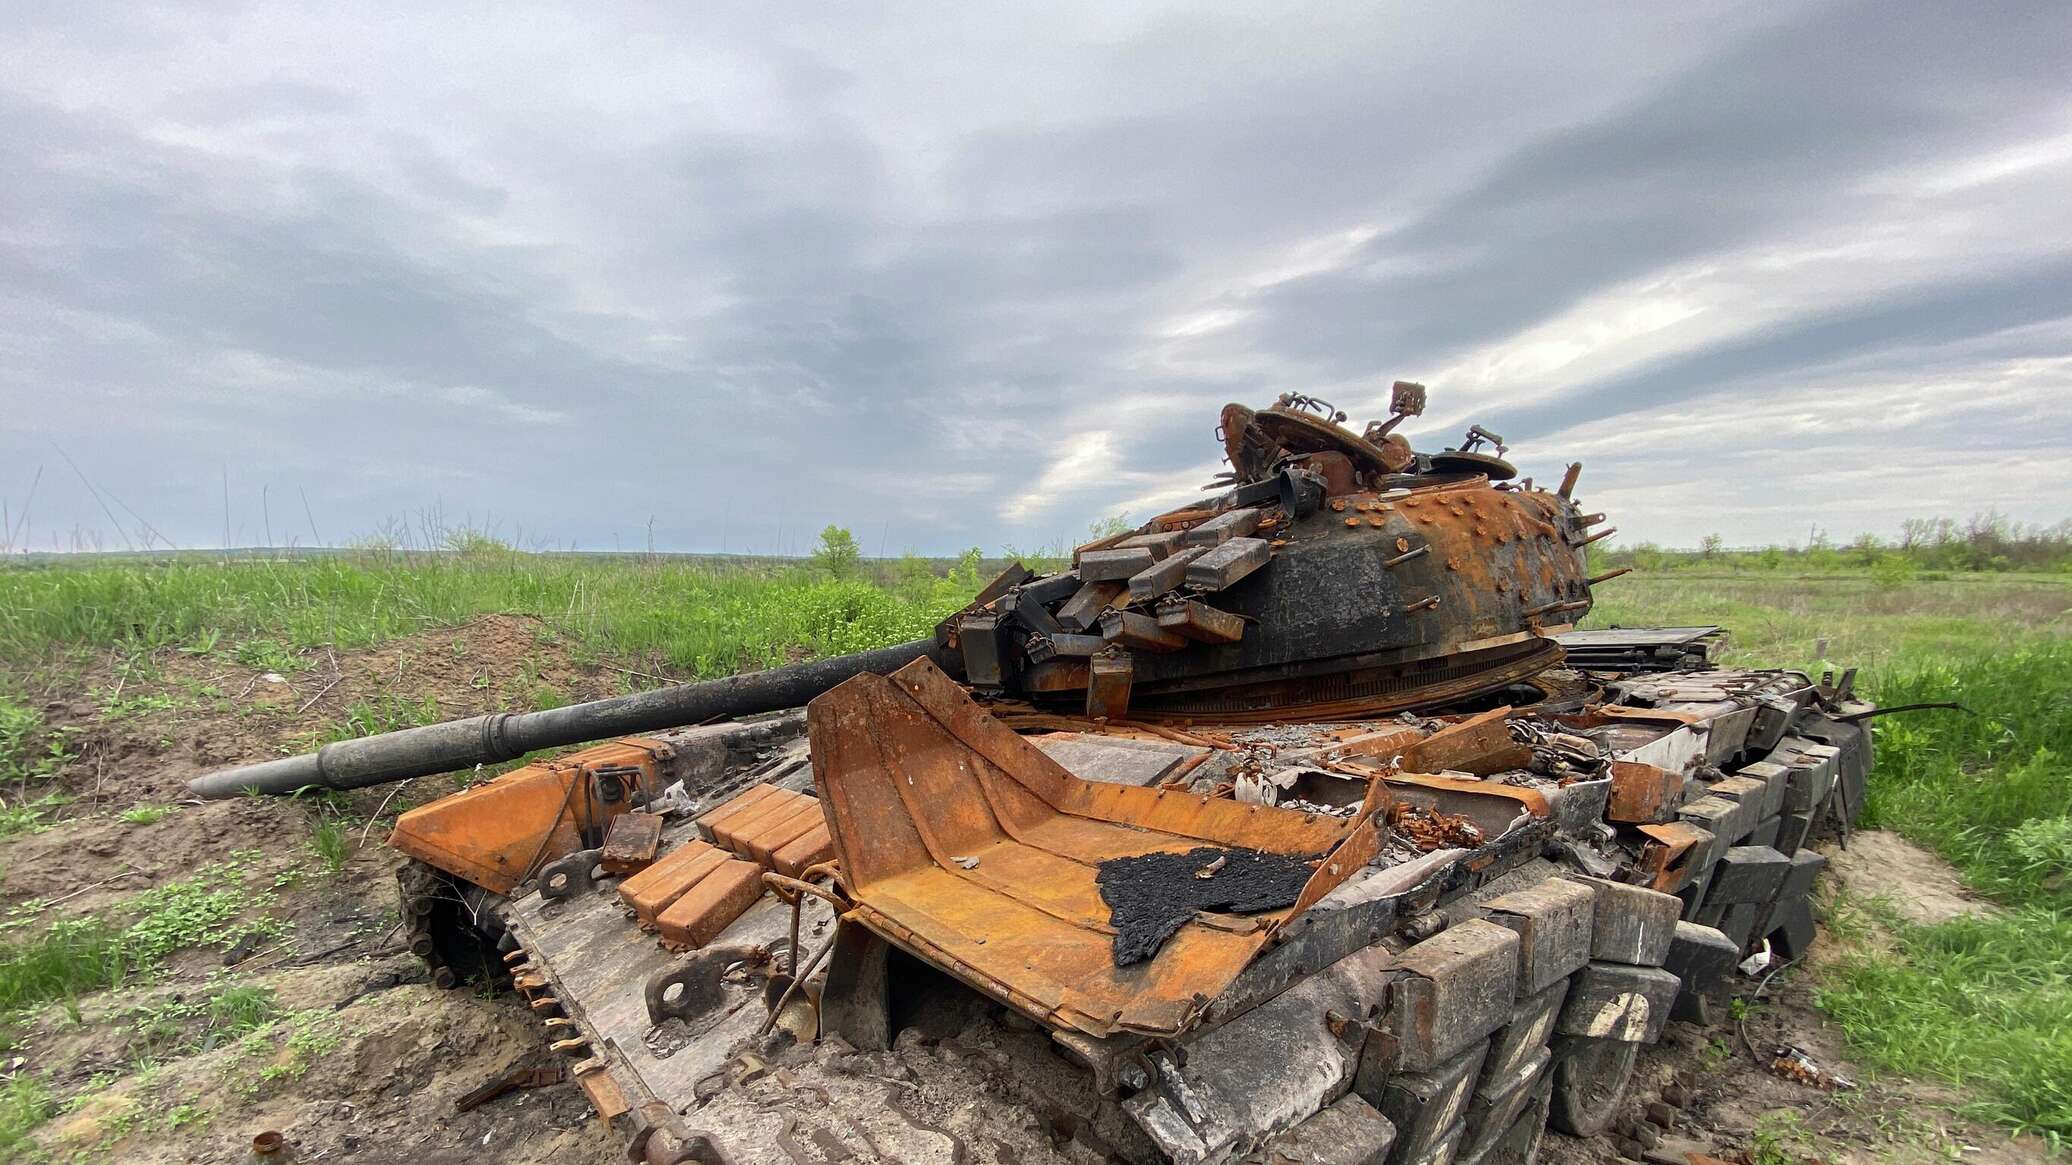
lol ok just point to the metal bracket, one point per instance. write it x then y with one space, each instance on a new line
570 876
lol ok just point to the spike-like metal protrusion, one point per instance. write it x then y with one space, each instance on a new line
1551 608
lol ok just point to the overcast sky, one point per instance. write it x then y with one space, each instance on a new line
963 275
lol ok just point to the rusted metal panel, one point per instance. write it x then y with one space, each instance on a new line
1082 550
1479 795
1120 759
762 845
810 849
1030 613
1115 565
1067 646
735 806
632 842
1084 608
1162 544
770 812
1384 744
963 843
654 889
604 1095
1480 745
1672 854
707 907
985 653
1642 794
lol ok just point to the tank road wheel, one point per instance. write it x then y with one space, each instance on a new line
1590 1077
451 925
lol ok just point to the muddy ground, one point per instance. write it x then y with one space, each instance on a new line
354 1056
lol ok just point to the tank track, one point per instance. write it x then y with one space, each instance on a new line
455 927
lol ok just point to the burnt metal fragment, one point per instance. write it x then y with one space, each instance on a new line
1084 608
1150 896
1225 526
1115 565
1131 629
1198 621
1164 576
1222 566
1112 674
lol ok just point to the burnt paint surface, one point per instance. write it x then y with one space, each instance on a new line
1150 896
1494 558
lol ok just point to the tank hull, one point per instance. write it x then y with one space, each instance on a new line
1491 969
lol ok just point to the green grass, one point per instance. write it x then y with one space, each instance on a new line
146 814
693 618
1985 1003
30 757
27 815
216 907
179 1026
380 714
28 753
1970 786
24 1104
213 907
333 842
65 960
1782 620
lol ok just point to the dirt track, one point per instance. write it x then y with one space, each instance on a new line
364 1059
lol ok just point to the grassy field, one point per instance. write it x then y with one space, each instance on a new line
685 617
1983 1003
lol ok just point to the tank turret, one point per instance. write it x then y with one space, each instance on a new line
1333 574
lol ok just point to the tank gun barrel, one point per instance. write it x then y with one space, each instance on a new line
502 736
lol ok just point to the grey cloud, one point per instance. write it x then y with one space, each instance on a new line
1749 141
1933 315
389 274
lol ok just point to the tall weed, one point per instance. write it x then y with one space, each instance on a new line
1969 785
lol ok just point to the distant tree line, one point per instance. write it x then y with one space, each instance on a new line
1988 541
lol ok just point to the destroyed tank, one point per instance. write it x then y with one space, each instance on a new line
1300 825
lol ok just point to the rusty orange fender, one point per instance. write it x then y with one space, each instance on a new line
498 833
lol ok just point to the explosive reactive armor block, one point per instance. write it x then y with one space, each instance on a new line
1631 924
1460 988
